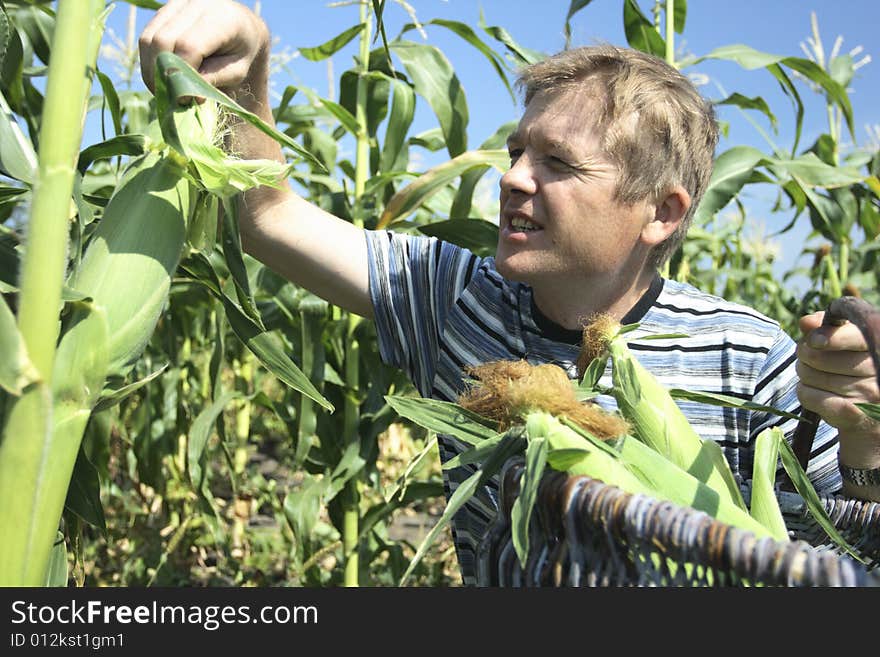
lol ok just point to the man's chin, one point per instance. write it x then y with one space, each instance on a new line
507 267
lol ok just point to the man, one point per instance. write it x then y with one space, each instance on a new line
607 165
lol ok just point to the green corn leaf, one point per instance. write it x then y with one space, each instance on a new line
197 438
11 57
345 118
17 156
435 80
573 8
443 417
664 336
764 503
731 172
418 192
640 32
749 59
809 170
431 139
716 399
521 54
312 312
415 464
16 369
266 346
334 45
56 573
403 106
476 235
536 460
302 506
349 466
757 103
112 396
805 489
413 493
476 454
132 145
871 410
467 33
84 493
679 16
111 99
232 254
463 493
463 202
378 12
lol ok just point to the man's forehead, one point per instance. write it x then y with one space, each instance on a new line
559 116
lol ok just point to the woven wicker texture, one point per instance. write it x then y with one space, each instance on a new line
586 533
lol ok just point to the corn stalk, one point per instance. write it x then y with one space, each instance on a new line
34 457
351 435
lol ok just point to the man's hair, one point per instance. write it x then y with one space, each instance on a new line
659 130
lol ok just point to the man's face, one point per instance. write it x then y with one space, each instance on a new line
559 222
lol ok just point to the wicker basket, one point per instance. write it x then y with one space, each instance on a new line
586 533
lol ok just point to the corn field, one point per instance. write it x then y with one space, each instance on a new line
174 413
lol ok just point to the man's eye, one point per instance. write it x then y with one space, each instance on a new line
514 154
559 163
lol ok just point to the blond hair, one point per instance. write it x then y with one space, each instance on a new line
658 130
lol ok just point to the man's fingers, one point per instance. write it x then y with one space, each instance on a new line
147 46
838 411
856 388
846 337
852 363
219 41
224 71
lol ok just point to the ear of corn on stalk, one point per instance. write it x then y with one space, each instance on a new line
128 265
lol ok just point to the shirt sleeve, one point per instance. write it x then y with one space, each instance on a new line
414 284
777 387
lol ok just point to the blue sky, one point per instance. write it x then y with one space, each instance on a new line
774 26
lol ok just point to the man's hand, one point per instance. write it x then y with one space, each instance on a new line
836 372
222 40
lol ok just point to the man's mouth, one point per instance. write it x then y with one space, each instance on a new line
521 223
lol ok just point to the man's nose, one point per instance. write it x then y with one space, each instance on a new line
520 177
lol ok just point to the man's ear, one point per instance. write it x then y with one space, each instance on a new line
668 214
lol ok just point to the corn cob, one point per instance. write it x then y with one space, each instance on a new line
655 417
654 475
595 462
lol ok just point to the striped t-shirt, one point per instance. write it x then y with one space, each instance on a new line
439 308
